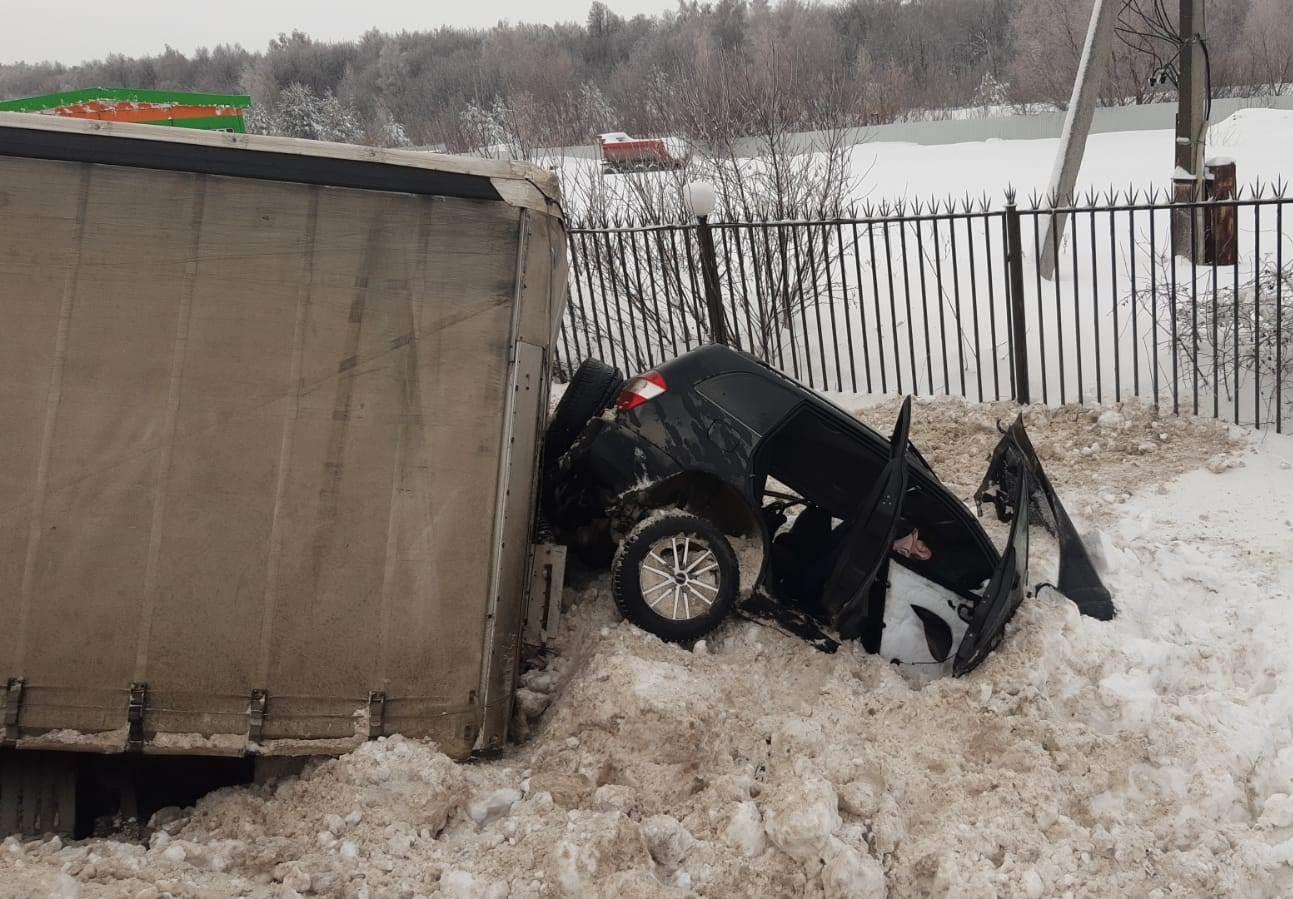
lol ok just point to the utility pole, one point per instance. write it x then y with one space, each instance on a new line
1191 127
1077 122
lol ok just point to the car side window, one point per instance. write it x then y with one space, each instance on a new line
757 402
821 460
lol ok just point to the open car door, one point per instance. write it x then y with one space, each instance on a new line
848 596
1005 589
1013 461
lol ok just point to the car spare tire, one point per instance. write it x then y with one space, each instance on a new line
591 391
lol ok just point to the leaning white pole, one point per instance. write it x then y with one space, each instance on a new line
1077 122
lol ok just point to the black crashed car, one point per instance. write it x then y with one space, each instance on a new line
668 475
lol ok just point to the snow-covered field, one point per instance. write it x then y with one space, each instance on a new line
1256 140
1148 756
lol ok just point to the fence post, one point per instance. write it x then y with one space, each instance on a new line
709 274
1015 265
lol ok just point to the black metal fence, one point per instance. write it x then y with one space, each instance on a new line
949 298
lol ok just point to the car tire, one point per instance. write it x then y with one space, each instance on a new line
654 555
592 389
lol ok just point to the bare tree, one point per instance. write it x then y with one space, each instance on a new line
771 158
1268 41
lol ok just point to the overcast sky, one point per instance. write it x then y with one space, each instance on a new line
72 31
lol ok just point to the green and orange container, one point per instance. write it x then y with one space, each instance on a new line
179 109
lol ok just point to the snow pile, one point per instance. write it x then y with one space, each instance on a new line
1149 756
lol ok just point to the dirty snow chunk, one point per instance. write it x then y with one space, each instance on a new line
859 798
794 737
1032 884
174 853
1223 462
667 840
1131 695
851 875
802 818
745 830
598 844
497 804
298 880
613 798
531 702
164 817
459 884
400 844
1277 811
1110 419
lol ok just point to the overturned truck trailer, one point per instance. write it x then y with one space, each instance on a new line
271 413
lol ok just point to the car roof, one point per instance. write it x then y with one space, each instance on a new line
716 359
689 369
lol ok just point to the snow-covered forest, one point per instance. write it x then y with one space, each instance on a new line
706 71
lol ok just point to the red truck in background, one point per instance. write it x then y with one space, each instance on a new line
621 153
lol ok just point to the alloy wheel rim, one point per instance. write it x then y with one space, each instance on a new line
679 577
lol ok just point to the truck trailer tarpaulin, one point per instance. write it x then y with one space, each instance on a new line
271 424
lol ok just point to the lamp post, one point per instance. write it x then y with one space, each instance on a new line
700 199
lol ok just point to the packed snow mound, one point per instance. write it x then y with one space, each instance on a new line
1146 756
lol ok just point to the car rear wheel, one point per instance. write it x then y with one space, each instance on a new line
676 576
591 390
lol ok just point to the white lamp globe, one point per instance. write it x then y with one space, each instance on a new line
699 198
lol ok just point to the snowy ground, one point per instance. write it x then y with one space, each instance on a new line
1149 756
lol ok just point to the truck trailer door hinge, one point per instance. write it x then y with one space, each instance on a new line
376 714
12 704
135 717
256 706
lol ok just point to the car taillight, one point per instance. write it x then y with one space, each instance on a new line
639 390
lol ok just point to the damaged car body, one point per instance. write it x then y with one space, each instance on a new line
715 451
